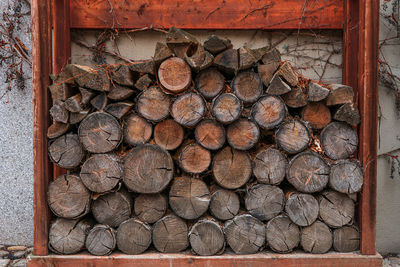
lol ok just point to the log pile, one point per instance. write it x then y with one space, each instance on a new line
204 147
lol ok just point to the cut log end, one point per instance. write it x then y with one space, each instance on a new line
101 240
174 75
224 204
340 94
243 134
137 130
170 234
269 166
336 209
268 112
348 113
188 109
66 151
150 208
346 239
194 158
346 177
247 86
206 238
168 134
302 209
317 115
226 108
210 83
153 104
133 236
316 92
316 238
339 140
282 235
210 134
293 136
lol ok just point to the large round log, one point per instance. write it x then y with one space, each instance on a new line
317 115
339 140
224 204
336 209
293 136
153 104
316 238
68 197
210 134
243 134
346 239
148 169
210 83
133 236
100 132
189 197
101 172
188 109
174 75
264 201
269 166
268 112
282 235
66 151
101 240
168 134
226 108
194 158
150 208
245 234
137 130
247 86
302 209
308 172
170 234
231 168
206 238
346 176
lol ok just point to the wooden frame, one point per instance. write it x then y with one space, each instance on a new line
51 24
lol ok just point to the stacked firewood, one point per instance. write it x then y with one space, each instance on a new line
202 147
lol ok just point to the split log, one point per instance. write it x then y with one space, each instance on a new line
272 56
210 134
227 61
268 112
148 169
174 75
317 115
226 108
119 109
86 95
316 238
73 103
264 201
282 235
245 234
112 208
68 236
316 92
122 75
215 44
346 239
170 234
206 238
308 172
119 93
61 89
68 197
100 101
287 72
247 58
340 94
231 168
198 58
277 86
133 236
243 134
210 83
144 82
168 134
143 66
59 113
100 132
224 204
188 109
179 41
153 104
194 158
339 140
302 209
348 113
189 197
57 129
137 130
346 176
76 117
293 136
247 86
161 53
336 209
269 166
266 73
296 98
101 240
66 151
101 172
91 78
150 208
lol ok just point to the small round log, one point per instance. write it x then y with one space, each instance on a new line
231 168
264 201
66 151
101 240
293 136
170 234
346 239
296 98
194 158
282 234
133 236
243 134
206 238
68 197
346 177
150 208
210 134
268 112
113 208
153 104
247 86
226 108
317 115
189 197
137 130
245 234
308 172
316 238
188 109
224 204
336 209
339 140
174 75
168 134
148 169
269 166
210 83
100 132
302 209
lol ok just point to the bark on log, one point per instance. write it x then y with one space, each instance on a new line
346 239
243 134
317 115
73 103
224 204
336 209
86 95
272 56
339 140
247 58
269 166
168 134
206 238
133 236
122 75
194 158
100 101
179 41
153 104
247 86
210 82
119 93
57 129
101 240
189 197
148 169
137 130
68 197
174 75
170 234
346 177
198 58
215 44
316 92
308 172
231 168
210 134
282 235
150 208
59 113
287 72
316 238
293 136
268 112
161 53
119 109
340 94
302 209
226 108
348 113
296 98
77 117
276 86
188 109
227 61
66 151
91 78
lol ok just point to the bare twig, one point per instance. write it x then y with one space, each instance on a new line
265 7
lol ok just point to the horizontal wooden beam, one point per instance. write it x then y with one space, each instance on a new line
208 14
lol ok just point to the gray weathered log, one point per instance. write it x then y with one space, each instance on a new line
86 95
210 82
269 166
100 101
153 104
198 58
346 239
247 58
168 134
226 108
293 136
170 234
89 77
268 112
282 234
136 130
272 56
119 109
316 238
206 238
188 109
119 93
243 134
302 209
339 140
336 209
296 98
215 44
179 41
227 61
174 75
66 151
210 134
74 103
76 117
276 86
133 236
57 129
144 82
59 113
122 75
143 66
247 86
150 208
348 113
224 204
346 176
161 53
194 158
316 92
340 94
101 240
